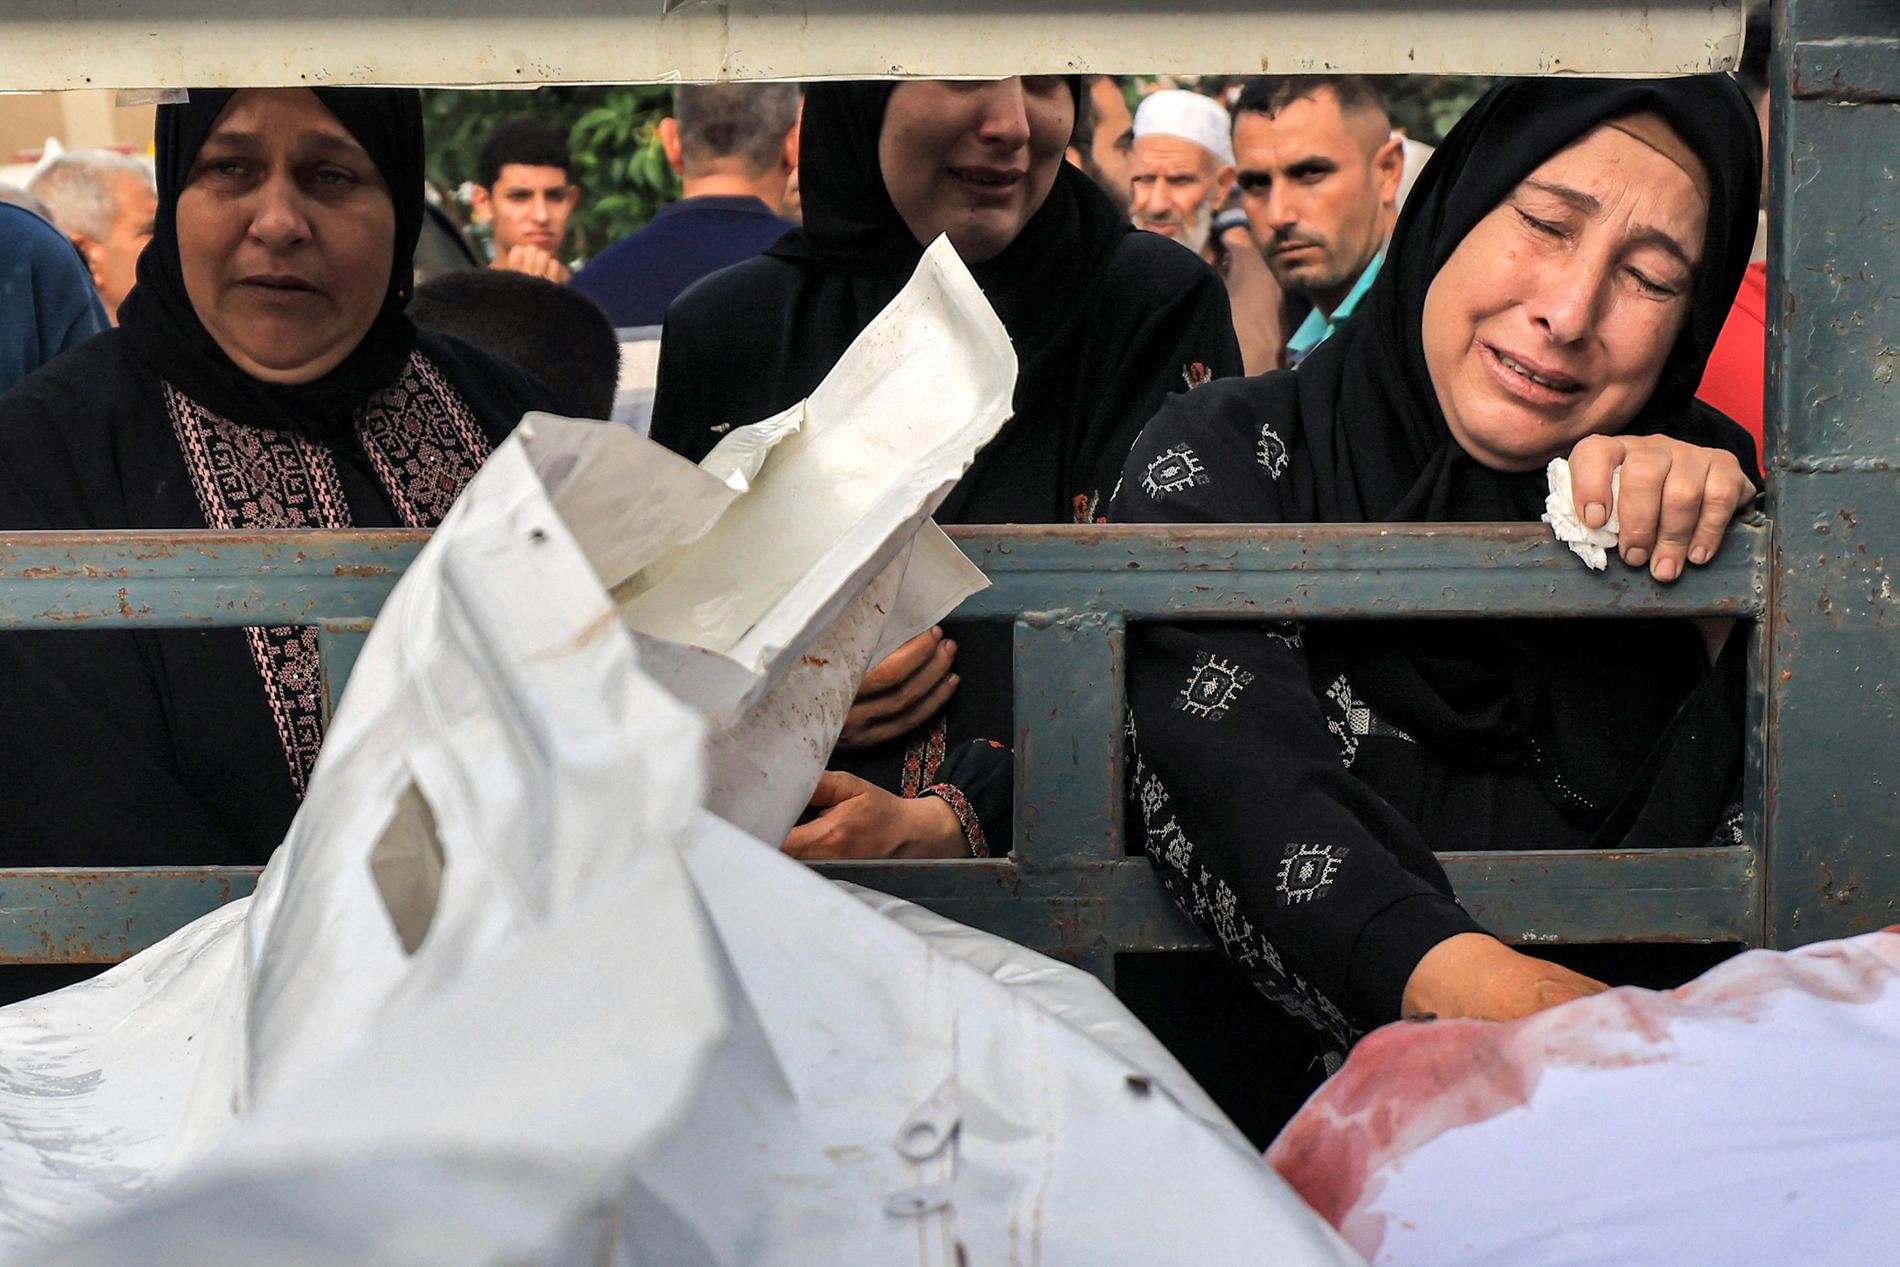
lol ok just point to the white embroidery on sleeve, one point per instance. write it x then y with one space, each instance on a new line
1212 687
1271 451
1306 871
1175 469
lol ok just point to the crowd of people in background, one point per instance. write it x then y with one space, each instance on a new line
1287 186
287 355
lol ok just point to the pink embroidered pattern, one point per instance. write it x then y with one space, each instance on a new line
959 804
924 757
423 443
250 477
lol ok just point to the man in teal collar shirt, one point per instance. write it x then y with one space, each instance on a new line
1319 174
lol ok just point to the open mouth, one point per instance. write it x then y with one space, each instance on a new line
1540 386
1547 378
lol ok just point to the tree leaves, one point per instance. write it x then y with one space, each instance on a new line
612 138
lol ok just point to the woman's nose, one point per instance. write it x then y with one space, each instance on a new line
278 220
1005 114
1567 299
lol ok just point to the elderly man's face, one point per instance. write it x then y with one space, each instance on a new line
1319 187
114 260
1177 185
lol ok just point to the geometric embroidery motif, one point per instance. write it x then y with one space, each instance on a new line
1214 905
1172 843
1150 796
1356 721
1214 684
1306 872
1271 452
1177 467
422 442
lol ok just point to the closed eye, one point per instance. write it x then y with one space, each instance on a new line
1651 287
1544 227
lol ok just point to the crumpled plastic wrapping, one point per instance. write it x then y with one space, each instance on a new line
1749 1118
529 981
1560 512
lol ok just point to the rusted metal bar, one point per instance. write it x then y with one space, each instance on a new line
1831 801
339 642
1857 69
64 580
1327 571
1315 571
103 915
1083 914
1069 710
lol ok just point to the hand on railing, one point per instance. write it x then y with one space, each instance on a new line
1675 499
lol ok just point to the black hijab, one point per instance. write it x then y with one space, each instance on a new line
1366 398
164 329
1043 286
1597 709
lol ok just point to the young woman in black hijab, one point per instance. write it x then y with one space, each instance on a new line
1553 288
1106 322
264 376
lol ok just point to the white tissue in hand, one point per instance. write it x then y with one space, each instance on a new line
1560 512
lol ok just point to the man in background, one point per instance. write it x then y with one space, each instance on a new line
1319 168
103 201
1104 137
735 147
49 303
524 187
1181 167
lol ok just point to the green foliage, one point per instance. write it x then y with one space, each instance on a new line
611 132
1424 105
1427 105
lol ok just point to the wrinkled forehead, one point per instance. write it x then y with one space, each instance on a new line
1165 155
1611 172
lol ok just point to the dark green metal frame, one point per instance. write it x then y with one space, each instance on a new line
1071 887
1823 811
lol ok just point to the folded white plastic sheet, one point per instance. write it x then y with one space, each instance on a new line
1750 1118
516 990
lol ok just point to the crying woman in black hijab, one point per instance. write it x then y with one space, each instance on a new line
1106 323
264 376
1553 289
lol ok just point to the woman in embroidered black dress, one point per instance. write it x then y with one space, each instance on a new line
1553 288
1106 322
264 376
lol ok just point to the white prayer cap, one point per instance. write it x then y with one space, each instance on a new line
1190 116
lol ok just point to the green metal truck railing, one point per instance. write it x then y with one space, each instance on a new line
1814 581
1071 887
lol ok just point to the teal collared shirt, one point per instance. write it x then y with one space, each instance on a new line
1317 327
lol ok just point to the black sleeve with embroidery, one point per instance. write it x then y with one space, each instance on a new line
978 781
1240 773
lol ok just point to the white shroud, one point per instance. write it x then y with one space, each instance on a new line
524 985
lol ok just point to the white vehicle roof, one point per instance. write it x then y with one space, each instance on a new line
135 44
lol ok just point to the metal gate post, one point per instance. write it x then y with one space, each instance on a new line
1832 787
1069 718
